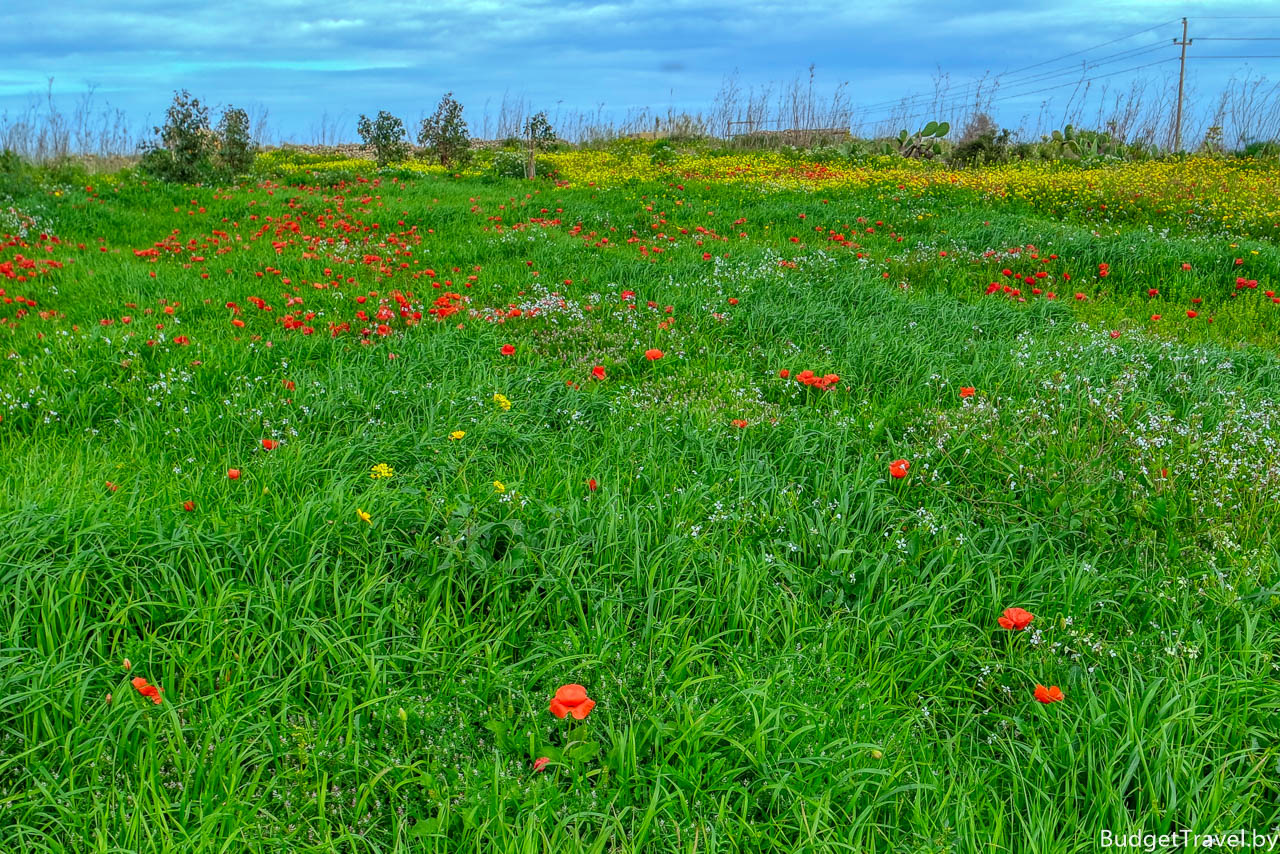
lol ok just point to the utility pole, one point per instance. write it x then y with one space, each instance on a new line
1182 74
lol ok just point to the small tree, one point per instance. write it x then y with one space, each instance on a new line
185 142
538 134
385 135
236 148
444 134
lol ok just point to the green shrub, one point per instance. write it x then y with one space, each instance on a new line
385 135
184 145
444 133
236 148
515 164
16 177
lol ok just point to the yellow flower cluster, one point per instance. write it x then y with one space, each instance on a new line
503 403
381 470
1234 193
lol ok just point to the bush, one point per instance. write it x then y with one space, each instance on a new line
987 147
444 133
187 150
385 135
185 143
16 177
515 164
236 148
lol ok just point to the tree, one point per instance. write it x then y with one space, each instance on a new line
185 141
538 134
444 133
385 135
236 148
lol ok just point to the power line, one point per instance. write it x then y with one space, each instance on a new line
1012 95
1249 39
1095 47
1005 74
1242 56
964 92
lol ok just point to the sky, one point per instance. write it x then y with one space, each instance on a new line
313 67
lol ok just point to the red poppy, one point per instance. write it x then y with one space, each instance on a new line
1190 313
572 700
111 486
653 354
1015 619
592 485
188 506
1052 694
234 474
508 349
898 468
739 423
1186 266
967 391
598 372
784 373
151 692
270 444
540 764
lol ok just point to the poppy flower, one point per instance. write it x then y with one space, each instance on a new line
233 474
270 444
784 373
739 423
967 391
1052 694
598 372
653 354
151 692
898 468
572 700
188 506
508 349
540 764
112 486
1015 619
592 485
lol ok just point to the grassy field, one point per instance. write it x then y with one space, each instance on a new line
358 469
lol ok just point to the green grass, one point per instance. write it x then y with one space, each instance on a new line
789 649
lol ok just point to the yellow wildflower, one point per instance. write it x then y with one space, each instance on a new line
364 517
498 486
502 402
457 434
380 471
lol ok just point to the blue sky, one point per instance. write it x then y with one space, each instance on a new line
301 60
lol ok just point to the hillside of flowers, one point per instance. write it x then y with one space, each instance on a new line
726 502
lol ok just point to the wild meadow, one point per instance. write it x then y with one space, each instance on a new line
700 504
